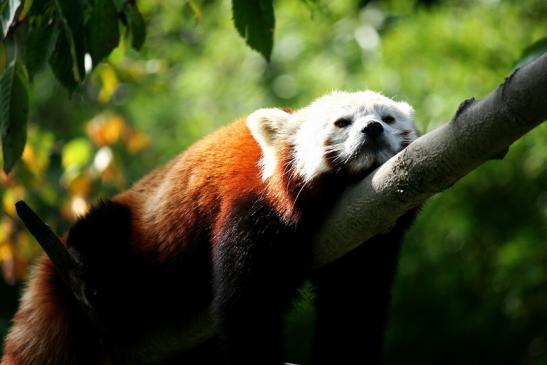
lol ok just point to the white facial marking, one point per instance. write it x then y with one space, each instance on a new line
322 145
268 127
350 131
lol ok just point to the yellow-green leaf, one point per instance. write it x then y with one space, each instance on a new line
76 153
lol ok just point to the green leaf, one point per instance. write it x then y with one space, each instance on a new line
72 13
101 30
61 62
14 104
72 17
8 15
78 53
39 46
76 153
42 8
3 56
135 26
255 22
120 4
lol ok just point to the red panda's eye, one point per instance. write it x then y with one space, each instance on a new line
388 119
342 122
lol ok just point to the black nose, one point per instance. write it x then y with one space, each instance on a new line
373 129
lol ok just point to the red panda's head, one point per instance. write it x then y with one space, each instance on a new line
347 132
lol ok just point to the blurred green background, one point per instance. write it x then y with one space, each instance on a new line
472 282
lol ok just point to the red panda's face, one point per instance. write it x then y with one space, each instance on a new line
341 131
352 132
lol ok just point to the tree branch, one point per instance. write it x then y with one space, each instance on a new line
479 131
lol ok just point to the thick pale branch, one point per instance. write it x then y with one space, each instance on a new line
479 131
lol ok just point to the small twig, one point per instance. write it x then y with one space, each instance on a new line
65 264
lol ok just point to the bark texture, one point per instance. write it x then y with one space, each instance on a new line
480 130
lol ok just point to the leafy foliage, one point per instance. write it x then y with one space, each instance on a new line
101 30
135 25
8 11
14 102
62 33
39 47
472 283
255 21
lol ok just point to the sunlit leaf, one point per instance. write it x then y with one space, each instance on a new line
137 142
255 21
36 155
14 104
6 226
109 83
135 25
76 153
5 251
101 30
106 129
7 16
27 5
10 197
80 185
39 46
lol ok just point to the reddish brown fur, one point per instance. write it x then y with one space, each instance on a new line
40 335
209 177
170 208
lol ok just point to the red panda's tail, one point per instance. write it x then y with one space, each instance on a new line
49 327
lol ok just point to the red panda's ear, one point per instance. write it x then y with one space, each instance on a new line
268 125
407 109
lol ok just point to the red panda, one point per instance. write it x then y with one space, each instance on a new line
227 223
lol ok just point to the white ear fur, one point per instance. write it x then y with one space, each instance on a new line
267 126
408 110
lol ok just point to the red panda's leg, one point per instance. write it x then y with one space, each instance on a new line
258 263
352 300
